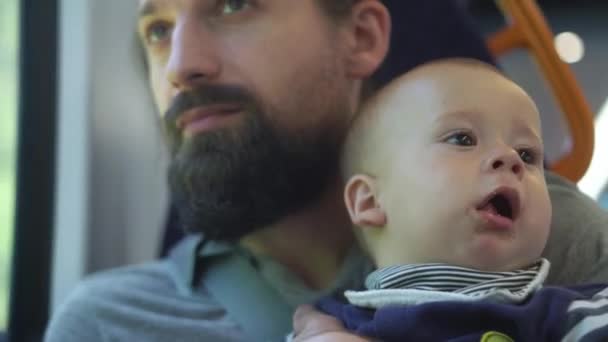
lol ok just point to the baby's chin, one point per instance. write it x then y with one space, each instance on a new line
497 264
488 261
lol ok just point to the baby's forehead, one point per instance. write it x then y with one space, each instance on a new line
444 88
442 73
424 85
413 87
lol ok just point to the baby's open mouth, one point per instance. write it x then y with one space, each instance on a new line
503 202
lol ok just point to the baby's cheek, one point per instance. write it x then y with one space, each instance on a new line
540 205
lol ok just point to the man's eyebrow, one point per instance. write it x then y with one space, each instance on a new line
148 8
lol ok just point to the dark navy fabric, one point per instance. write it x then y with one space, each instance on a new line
543 317
426 30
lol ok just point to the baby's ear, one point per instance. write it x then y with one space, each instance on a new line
362 202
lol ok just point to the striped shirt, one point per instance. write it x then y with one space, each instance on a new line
443 277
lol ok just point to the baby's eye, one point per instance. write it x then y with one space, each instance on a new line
528 156
461 139
232 6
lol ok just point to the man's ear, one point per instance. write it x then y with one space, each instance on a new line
369 38
362 202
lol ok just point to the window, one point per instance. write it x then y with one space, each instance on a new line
8 125
596 178
604 200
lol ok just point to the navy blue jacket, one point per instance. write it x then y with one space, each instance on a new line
549 315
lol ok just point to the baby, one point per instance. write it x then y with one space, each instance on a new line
445 188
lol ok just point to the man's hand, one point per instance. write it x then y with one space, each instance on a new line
312 326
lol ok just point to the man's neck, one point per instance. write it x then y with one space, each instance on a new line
311 243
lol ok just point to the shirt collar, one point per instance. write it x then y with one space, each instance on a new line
421 283
449 278
188 258
185 259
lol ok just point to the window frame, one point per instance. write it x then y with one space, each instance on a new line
35 170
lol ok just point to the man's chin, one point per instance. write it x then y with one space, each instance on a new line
249 174
223 226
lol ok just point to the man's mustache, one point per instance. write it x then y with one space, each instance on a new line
206 95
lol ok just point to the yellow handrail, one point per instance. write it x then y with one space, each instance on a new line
528 29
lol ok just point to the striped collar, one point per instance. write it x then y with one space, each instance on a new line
420 283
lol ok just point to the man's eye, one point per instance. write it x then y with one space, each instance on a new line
157 32
527 156
233 6
461 139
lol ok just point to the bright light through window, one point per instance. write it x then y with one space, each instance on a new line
8 116
596 178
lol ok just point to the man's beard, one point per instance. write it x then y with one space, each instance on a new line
233 181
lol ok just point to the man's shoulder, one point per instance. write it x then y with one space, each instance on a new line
138 302
148 275
129 285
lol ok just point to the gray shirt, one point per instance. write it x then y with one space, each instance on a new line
164 301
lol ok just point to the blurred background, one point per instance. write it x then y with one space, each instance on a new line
110 199
580 30
8 114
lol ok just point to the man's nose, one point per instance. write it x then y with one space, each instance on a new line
504 159
193 58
